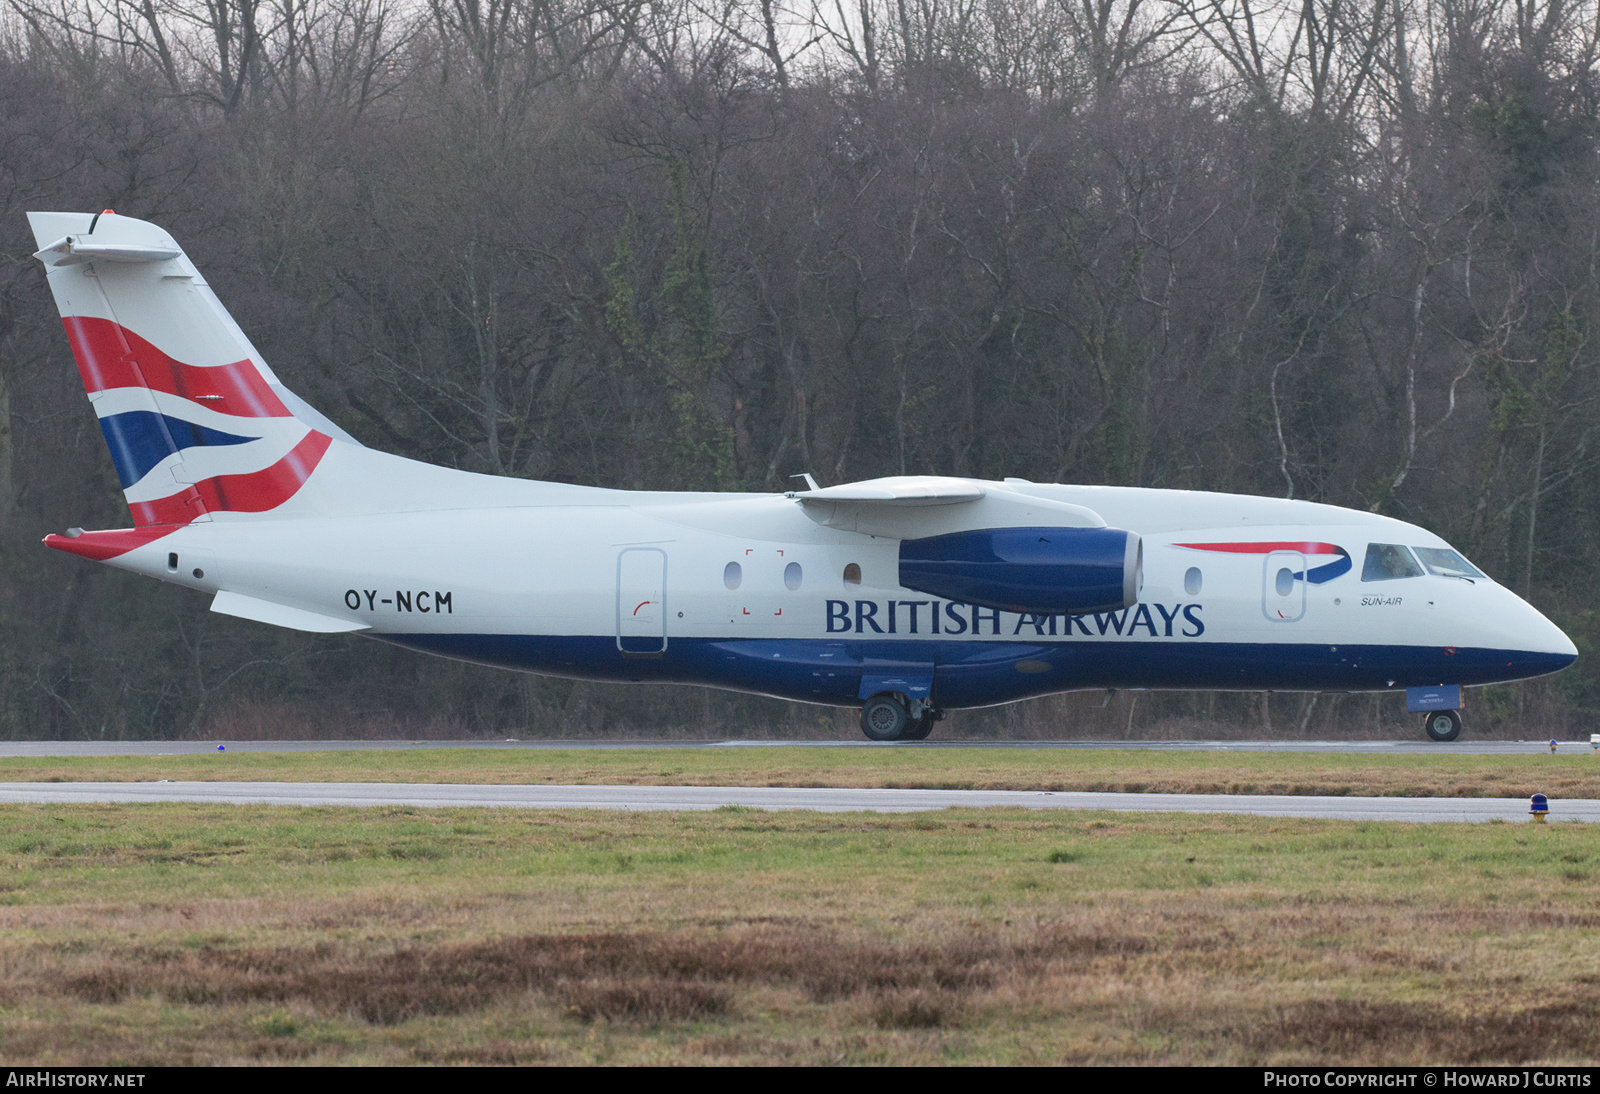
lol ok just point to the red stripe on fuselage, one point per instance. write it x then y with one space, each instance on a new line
1265 548
110 356
255 492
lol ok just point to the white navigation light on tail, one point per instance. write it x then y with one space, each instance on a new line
905 596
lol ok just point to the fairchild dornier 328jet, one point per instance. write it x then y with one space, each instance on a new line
906 597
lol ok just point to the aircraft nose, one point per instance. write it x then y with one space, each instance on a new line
1546 641
1560 644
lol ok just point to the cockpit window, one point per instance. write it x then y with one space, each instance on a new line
1388 561
1447 563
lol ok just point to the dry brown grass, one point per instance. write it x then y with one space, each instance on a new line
1165 985
595 975
187 934
1441 774
1355 1029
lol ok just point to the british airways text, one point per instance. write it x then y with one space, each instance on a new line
950 618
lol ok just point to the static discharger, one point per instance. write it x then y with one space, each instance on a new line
1538 808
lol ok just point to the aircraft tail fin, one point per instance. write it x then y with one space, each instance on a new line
196 421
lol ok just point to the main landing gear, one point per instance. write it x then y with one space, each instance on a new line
889 716
1442 725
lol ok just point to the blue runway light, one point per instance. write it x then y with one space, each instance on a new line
222 748
1538 806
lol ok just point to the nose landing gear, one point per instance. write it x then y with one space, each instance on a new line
887 716
1442 725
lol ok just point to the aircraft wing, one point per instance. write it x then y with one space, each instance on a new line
281 615
914 506
901 490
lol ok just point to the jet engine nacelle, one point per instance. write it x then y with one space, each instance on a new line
1050 571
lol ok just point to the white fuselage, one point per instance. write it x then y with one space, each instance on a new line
616 585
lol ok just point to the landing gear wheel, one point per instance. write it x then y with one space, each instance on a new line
917 729
1442 725
884 718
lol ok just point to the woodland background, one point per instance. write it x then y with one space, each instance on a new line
1343 250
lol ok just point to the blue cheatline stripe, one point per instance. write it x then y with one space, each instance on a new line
968 674
1321 575
140 439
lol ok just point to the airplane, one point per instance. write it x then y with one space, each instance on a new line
907 597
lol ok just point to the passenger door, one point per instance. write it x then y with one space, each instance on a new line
1283 586
642 602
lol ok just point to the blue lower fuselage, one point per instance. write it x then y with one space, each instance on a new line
971 674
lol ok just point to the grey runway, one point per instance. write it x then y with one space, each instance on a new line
27 749
827 800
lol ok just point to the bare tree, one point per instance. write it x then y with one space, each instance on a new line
1117 37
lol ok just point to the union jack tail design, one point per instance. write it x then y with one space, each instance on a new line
196 422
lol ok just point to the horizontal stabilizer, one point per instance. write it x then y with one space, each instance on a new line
264 611
103 545
74 251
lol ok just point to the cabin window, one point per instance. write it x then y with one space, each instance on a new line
1284 582
1447 563
172 562
1191 581
1387 562
733 575
792 575
852 574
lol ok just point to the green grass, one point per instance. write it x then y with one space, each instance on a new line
201 934
1411 774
